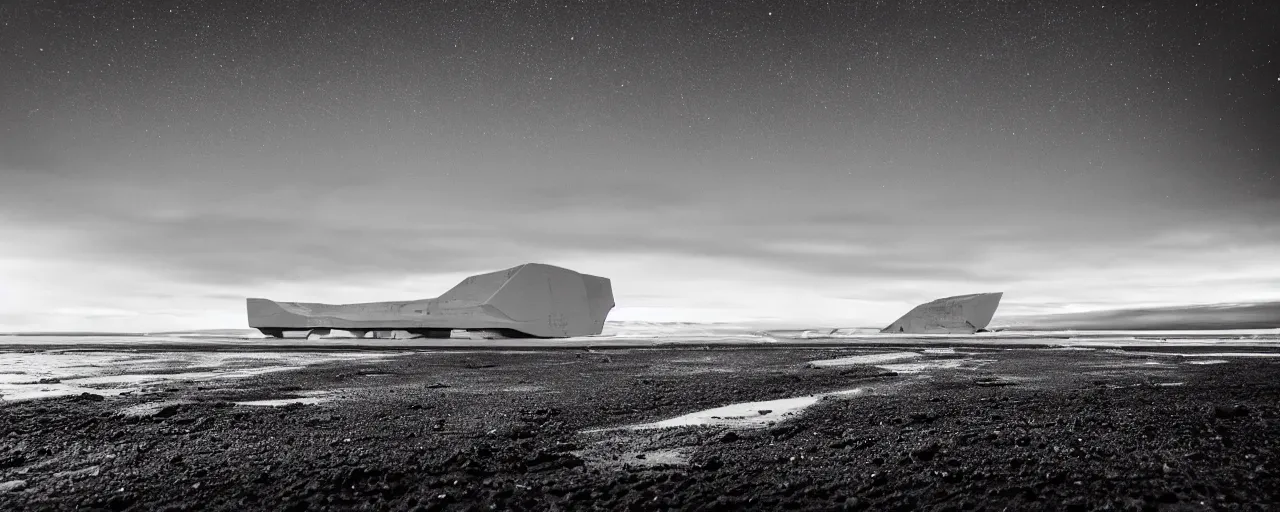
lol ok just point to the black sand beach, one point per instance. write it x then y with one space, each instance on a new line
966 429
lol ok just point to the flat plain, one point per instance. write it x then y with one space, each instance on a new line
923 426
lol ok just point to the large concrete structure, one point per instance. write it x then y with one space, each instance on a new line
531 300
962 314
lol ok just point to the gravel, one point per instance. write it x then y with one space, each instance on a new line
1035 429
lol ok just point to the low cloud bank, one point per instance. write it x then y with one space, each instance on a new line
1263 315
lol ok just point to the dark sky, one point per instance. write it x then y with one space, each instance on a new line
831 162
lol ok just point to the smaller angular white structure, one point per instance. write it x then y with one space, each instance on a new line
962 314
531 300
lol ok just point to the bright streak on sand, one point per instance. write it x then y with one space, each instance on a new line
745 414
888 361
865 359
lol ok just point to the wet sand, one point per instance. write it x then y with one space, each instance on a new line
815 427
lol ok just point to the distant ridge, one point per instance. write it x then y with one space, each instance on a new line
71 333
1260 315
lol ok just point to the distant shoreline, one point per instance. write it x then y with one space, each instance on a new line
1196 317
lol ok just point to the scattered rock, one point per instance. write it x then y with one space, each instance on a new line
565 447
923 417
522 432
90 397
924 448
49 381
710 464
993 382
926 451
13 460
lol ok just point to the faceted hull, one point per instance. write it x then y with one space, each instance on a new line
963 314
531 300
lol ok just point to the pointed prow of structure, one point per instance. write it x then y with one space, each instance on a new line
962 314
530 300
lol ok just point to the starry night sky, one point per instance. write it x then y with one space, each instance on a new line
831 162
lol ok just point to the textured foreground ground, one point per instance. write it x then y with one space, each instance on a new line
1017 429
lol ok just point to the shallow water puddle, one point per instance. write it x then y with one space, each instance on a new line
1207 354
161 377
112 385
687 369
280 402
522 388
34 391
671 457
151 408
1133 364
865 359
746 414
615 456
941 364
60 373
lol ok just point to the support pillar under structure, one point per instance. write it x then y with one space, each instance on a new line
432 333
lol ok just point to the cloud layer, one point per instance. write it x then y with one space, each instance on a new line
828 164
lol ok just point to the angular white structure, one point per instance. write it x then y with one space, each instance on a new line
962 314
530 300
